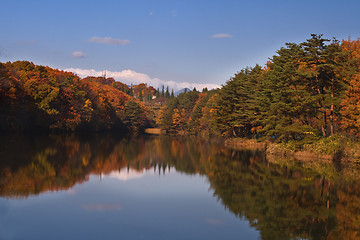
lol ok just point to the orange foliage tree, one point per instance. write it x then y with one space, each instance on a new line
350 111
351 107
39 97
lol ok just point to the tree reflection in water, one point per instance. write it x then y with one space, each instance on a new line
280 198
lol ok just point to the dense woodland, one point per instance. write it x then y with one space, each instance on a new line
38 98
305 91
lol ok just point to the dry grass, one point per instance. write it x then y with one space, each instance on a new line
334 148
242 143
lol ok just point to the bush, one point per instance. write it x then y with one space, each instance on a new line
329 145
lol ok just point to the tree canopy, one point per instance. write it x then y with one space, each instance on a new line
305 91
41 98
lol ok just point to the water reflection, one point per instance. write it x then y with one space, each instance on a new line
285 199
281 199
33 165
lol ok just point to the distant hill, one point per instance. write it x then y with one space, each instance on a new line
39 98
181 91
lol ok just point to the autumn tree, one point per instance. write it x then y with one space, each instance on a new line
41 98
351 107
178 120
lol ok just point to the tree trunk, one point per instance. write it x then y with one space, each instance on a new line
332 109
332 131
322 106
328 195
323 127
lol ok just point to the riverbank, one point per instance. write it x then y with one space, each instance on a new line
334 148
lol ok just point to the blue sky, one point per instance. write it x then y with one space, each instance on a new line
176 43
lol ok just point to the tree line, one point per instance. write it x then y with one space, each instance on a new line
39 98
305 91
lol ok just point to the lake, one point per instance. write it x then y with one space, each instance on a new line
113 187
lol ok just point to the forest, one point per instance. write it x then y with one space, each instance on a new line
306 91
41 99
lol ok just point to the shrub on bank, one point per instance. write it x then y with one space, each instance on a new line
329 145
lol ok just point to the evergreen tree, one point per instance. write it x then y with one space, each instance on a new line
167 93
322 72
313 71
335 69
285 106
236 103
134 116
140 96
131 92
157 93
300 91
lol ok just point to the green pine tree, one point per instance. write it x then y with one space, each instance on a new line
236 103
131 92
167 93
140 96
157 93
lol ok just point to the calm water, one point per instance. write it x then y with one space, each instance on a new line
106 187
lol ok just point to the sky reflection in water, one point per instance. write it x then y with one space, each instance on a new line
125 203
67 187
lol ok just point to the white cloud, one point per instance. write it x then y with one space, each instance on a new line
109 41
132 77
125 174
222 35
79 54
